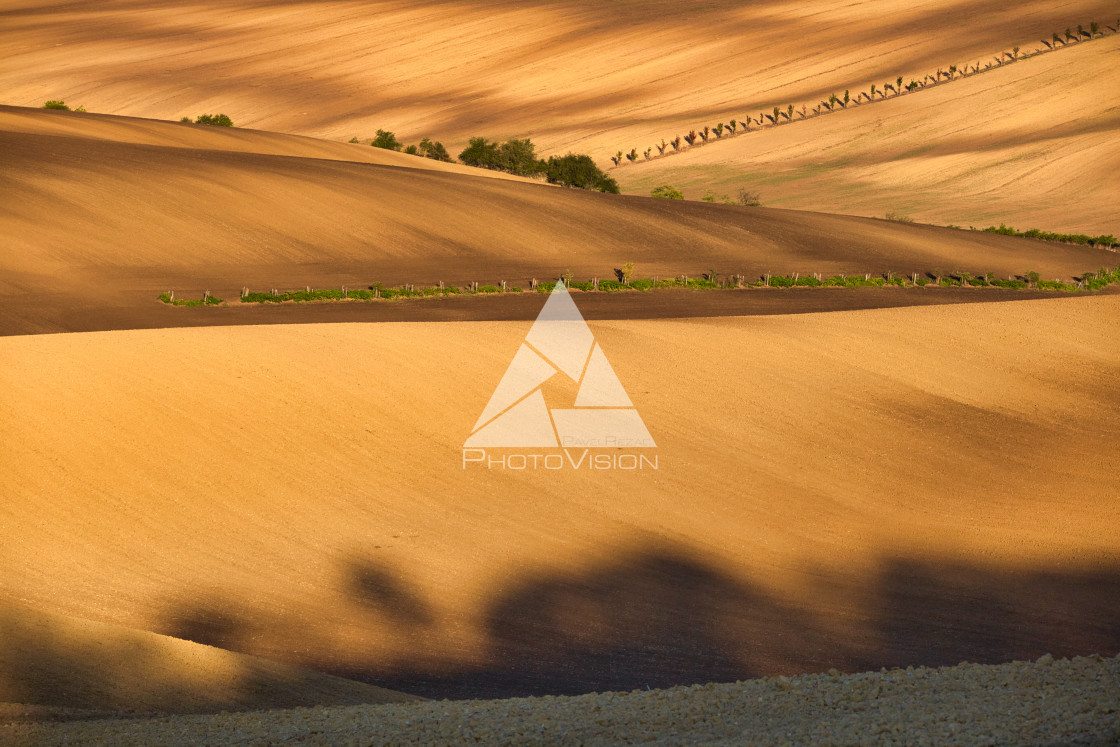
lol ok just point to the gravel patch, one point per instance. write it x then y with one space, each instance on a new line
1049 701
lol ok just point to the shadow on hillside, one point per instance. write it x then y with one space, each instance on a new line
659 616
654 616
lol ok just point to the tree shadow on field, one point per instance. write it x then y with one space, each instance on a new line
657 615
663 616
942 614
655 618
381 589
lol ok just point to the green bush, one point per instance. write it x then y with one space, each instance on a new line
1104 240
578 171
412 150
434 150
513 156
1055 285
642 284
219 120
546 287
489 289
612 285
1016 284
56 105
667 192
481 153
387 140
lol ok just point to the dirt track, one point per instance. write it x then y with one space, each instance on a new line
140 310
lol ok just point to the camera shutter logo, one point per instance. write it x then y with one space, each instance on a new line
559 342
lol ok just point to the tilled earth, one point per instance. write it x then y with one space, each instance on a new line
1049 701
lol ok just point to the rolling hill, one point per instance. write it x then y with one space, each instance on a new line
97 226
851 490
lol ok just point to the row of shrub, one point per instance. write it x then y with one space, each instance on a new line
514 156
711 280
217 120
427 147
206 300
1103 240
372 292
779 115
518 156
61 106
746 197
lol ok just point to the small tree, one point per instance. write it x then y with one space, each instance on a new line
666 192
777 113
482 153
789 112
412 150
661 148
898 85
578 171
718 130
1069 34
847 98
690 138
386 140
518 157
832 100
1032 278
1080 31
1094 29
705 133
647 152
617 158
873 89
1056 37
676 143
434 150
632 155
60 105
732 125
1015 52
627 272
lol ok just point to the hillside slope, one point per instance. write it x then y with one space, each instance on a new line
57 661
572 73
1031 144
101 222
856 489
